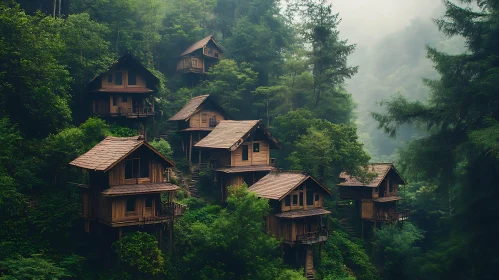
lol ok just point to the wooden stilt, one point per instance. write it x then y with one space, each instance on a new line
170 231
160 241
120 233
190 147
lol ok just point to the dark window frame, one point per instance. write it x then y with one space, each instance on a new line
213 121
245 152
115 100
301 198
310 198
130 204
118 81
134 164
124 99
287 201
110 78
317 197
132 77
256 147
149 202
295 200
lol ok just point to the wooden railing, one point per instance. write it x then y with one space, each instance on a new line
137 111
312 237
402 215
171 209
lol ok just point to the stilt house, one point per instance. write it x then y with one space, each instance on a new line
198 58
125 183
377 200
195 120
124 91
297 217
239 152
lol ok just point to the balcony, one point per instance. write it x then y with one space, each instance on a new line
312 237
397 216
137 112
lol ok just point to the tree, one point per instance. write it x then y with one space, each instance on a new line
460 145
35 267
163 147
140 255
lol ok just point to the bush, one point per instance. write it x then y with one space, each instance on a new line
163 147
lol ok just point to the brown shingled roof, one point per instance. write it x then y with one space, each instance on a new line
277 185
303 213
200 44
230 134
380 169
387 199
110 151
139 189
190 108
239 169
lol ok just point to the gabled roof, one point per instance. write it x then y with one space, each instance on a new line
200 44
277 185
380 169
112 150
128 59
231 134
193 106
139 189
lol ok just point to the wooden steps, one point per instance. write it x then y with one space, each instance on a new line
310 273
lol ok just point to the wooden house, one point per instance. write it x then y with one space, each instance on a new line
377 200
297 217
124 91
195 120
239 152
199 57
125 185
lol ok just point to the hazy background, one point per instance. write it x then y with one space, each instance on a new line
391 38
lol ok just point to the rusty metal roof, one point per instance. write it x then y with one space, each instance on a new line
303 213
277 185
241 169
230 134
200 44
190 108
110 151
139 189
380 169
387 199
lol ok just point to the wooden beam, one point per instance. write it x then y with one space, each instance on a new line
190 147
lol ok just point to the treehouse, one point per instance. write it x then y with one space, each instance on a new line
124 91
195 120
376 200
125 185
297 217
239 152
197 59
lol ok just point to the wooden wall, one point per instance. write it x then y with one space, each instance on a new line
254 158
117 173
120 103
189 62
140 81
367 209
119 212
196 120
296 192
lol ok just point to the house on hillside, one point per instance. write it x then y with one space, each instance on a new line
198 58
125 186
376 201
239 152
124 93
298 214
195 120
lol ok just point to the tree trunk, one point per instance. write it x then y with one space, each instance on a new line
60 8
55 4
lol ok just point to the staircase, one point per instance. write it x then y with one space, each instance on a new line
310 273
347 212
195 178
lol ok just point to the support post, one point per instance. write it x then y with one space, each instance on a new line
190 147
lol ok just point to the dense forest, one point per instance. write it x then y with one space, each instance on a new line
285 63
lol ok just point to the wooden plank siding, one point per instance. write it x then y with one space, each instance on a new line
367 209
202 118
140 81
254 158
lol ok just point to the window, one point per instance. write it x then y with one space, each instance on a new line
195 63
213 121
317 197
203 117
376 190
301 198
390 187
130 205
256 147
118 78
149 202
287 201
110 78
132 78
115 101
144 169
245 152
216 54
124 99
310 198
131 168
295 199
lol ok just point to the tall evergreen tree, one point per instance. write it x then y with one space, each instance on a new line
460 153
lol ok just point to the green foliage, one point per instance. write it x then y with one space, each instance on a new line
122 131
140 256
344 259
163 147
397 251
35 267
